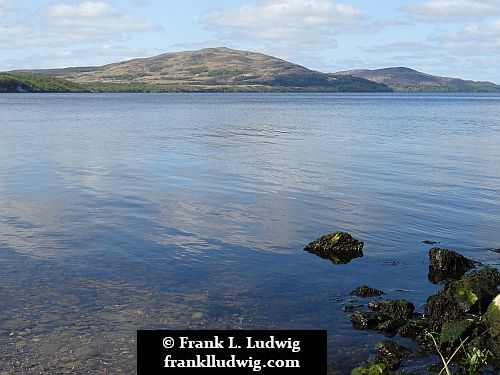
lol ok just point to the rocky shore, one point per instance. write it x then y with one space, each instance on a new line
460 324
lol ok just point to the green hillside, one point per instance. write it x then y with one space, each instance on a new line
29 83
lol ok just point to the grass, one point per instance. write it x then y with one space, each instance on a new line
472 361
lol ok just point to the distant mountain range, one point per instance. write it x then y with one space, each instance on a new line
408 80
226 70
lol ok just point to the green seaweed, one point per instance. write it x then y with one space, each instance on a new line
374 369
465 292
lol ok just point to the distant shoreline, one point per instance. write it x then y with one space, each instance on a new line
229 70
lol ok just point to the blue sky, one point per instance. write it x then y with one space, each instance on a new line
459 38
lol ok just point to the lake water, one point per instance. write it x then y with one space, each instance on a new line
125 212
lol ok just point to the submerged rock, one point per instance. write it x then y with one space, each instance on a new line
386 318
428 242
348 308
471 294
391 353
447 264
366 291
366 320
339 247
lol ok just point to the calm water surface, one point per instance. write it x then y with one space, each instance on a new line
124 212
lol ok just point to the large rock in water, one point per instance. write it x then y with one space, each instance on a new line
471 294
447 264
339 247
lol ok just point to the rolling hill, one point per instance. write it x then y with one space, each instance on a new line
210 69
402 79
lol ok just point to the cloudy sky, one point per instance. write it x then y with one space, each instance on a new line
458 38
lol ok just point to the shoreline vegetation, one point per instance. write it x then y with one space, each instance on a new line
20 83
227 70
460 324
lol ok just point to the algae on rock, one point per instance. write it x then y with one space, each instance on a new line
465 312
338 247
470 295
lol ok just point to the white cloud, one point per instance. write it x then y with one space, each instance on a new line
488 30
64 24
475 39
64 57
14 30
305 22
284 14
91 18
415 49
452 10
5 7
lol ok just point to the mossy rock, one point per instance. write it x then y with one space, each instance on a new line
492 314
338 247
453 332
391 363
373 369
414 329
398 310
471 294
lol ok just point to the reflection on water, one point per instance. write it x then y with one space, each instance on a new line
120 212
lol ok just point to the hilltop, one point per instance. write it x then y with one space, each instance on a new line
210 69
403 79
